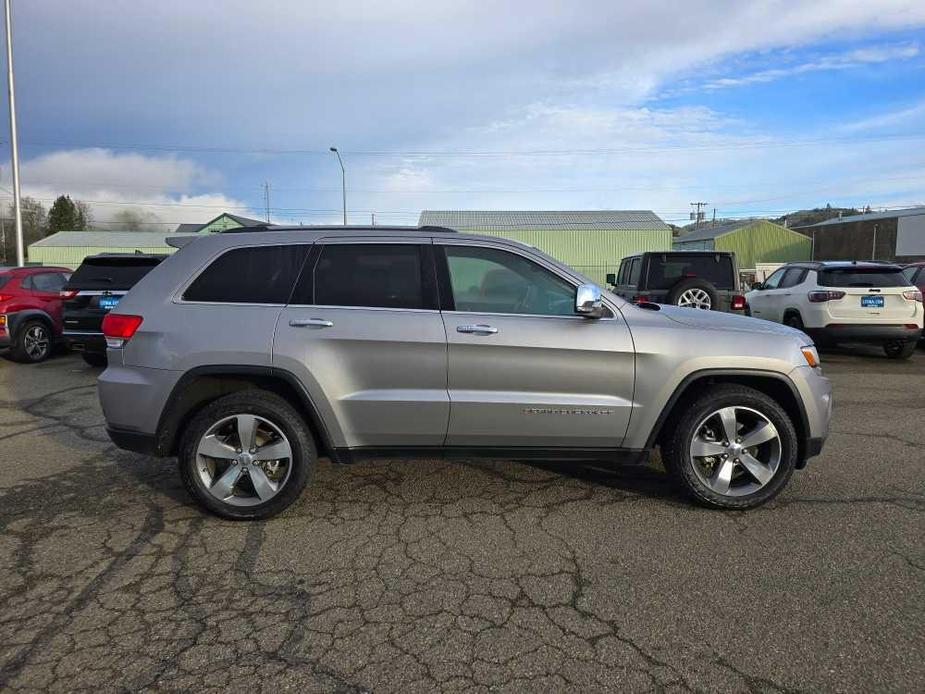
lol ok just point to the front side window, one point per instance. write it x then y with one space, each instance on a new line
253 275
373 275
489 280
634 272
774 280
792 277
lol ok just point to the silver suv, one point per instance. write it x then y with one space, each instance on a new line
247 355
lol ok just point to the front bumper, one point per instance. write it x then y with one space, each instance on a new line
860 332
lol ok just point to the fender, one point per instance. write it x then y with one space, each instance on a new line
694 376
168 424
16 318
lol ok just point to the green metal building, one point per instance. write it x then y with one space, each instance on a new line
753 241
592 242
69 248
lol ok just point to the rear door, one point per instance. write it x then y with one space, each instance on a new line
872 294
363 333
45 288
524 370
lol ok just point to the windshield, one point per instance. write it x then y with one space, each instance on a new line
111 273
862 277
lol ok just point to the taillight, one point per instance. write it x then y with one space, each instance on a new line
738 302
912 295
823 296
642 299
68 293
119 328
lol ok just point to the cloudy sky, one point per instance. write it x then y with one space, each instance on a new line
183 109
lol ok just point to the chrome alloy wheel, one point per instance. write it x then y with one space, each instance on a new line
244 460
36 342
736 451
695 298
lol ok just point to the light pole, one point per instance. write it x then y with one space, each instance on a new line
14 150
343 181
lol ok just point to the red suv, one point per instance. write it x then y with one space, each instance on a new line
30 310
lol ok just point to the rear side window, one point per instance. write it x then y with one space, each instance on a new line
909 273
666 271
48 281
371 275
862 277
111 273
257 275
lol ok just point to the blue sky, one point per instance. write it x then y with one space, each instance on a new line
183 109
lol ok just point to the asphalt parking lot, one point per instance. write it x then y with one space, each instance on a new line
461 576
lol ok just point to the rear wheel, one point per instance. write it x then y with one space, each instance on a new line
794 321
33 342
247 455
95 359
734 448
898 349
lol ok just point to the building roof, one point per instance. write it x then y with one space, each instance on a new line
109 239
565 220
890 214
236 218
706 233
187 228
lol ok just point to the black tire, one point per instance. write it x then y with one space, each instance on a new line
273 408
24 345
97 359
794 321
676 445
899 350
677 291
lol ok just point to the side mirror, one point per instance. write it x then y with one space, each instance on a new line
588 301
612 279
757 285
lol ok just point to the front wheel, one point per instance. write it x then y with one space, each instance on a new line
899 350
247 455
733 448
33 342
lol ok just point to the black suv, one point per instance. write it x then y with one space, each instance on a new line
94 288
696 279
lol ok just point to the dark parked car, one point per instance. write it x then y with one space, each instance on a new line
695 279
94 288
30 310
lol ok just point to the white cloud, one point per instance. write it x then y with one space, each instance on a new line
160 188
903 116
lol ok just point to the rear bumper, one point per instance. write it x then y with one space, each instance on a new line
134 441
860 332
85 341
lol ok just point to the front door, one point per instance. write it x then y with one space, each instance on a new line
764 302
363 333
524 370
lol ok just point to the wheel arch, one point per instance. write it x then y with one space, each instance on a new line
17 318
775 385
203 385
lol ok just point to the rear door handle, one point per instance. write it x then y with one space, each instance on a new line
476 329
311 323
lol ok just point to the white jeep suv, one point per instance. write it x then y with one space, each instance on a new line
843 302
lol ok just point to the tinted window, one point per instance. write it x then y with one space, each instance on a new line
262 275
667 270
909 273
4 279
374 275
792 277
862 277
488 280
48 282
635 266
621 277
111 272
775 278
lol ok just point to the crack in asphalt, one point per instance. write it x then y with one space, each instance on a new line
468 576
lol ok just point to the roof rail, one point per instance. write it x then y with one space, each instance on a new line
430 229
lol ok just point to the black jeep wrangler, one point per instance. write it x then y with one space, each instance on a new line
696 279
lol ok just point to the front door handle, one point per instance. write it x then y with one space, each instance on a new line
476 329
311 323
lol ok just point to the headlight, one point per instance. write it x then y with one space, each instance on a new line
811 355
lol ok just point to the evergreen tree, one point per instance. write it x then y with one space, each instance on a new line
64 216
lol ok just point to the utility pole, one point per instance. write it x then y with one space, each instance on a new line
699 215
372 218
714 218
266 198
343 181
14 149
